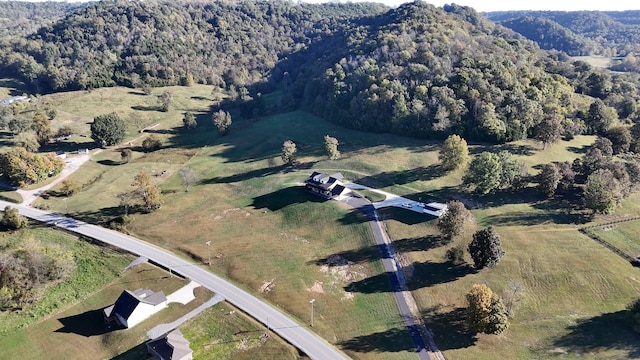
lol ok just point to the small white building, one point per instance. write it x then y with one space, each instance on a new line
132 307
11 100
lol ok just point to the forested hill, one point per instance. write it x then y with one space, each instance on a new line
159 43
615 32
23 18
417 69
425 71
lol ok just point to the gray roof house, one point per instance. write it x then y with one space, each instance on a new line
328 186
11 100
132 307
170 346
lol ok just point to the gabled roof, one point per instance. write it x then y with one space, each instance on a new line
129 300
172 345
323 181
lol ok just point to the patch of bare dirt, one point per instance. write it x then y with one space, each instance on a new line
341 271
267 286
316 288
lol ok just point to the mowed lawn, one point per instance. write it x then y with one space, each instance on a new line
277 241
625 236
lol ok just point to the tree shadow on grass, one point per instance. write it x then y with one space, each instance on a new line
284 197
147 108
404 216
609 331
579 150
102 216
374 252
89 323
109 162
392 340
425 275
450 330
402 177
246 175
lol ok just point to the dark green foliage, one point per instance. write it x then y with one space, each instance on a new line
455 254
108 129
12 220
486 248
549 130
600 117
453 222
620 137
604 145
548 180
484 173
602 191
498 317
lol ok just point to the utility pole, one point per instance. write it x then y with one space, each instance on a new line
311 302
209 251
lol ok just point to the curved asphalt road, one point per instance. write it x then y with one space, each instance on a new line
287 328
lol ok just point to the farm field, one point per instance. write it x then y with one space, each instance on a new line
290 247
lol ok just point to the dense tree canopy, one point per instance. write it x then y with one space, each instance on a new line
486 248
454 153
108 129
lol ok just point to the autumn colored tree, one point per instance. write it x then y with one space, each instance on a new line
42 127
12 220
147 191
331 147
454 153
486 312
289 152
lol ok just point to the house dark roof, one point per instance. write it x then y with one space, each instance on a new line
172 345
323 181
129 300
337 190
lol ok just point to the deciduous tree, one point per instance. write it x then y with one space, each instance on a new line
486 248
12 220
189 121
147 191
454 153
289 152
42 127
222 121
189 177
454 221
165 100
486 312
24 168
151 143
602 192
485 173
125 155
548 180
108 129
331 147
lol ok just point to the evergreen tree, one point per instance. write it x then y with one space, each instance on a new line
486 248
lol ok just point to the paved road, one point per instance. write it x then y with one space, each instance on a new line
392 268
308 342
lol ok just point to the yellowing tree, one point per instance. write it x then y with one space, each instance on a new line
146 190
454 153
486 312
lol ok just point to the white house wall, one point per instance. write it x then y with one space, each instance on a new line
144 311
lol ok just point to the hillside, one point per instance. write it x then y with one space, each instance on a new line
23 18
615 32
416 70
159 43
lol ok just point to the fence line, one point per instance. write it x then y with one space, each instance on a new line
608 245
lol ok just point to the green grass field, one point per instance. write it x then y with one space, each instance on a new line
274 239
625 236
